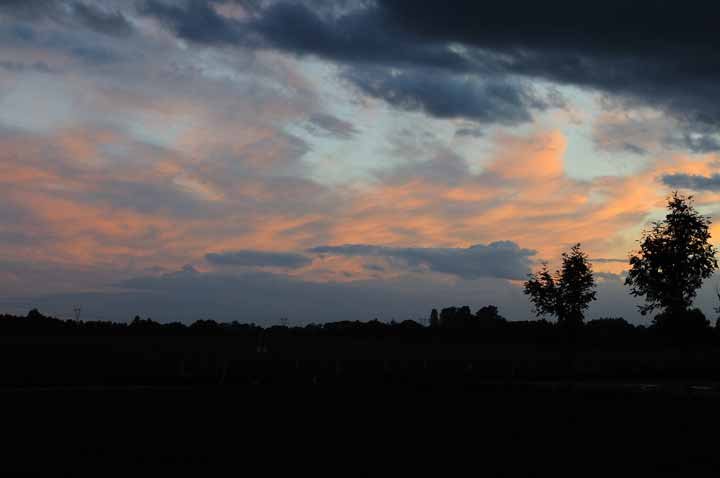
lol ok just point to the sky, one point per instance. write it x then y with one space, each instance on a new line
322 160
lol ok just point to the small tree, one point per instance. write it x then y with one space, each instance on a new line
567 293
674 259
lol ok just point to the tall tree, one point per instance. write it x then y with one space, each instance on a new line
568 292
674 259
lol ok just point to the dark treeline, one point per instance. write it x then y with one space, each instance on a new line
451 324
459 348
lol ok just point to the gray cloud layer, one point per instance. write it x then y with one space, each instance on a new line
264 298
111 22
693 181
95 16
253 258
501 260
449 96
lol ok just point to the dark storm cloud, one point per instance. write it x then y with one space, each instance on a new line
614 25
664 54
252 258
196 21
361 36
365 40
448 96
501 260
693 181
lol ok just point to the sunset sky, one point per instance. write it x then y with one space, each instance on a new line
323 160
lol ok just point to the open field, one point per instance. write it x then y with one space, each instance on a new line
225 360
344 407
500 429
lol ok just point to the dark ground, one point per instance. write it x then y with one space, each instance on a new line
499 429
162 406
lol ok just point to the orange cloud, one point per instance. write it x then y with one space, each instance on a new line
522 195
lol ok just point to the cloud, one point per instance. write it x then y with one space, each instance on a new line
469 131
94 55
501 259
603 260
252 258
29 8
706 142
149 197
657 54
332 125
361 39
20 67
609 276
95 17
642 132
660 54
106 22
196 21
361 35
264 298
692 181
444 95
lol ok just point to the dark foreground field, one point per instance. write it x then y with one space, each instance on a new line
499 429
163 405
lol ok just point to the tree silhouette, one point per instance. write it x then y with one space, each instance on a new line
717 307
674 258
489 313
434 318
456 317
568 292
